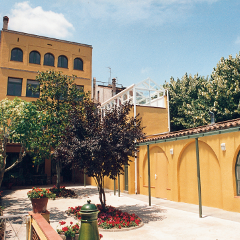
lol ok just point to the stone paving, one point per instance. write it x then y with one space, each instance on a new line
163 220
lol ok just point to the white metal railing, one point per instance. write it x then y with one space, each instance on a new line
14 226
146 93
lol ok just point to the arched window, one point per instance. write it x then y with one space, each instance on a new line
62 61
34 57
78 64
48 59
237 171
17 55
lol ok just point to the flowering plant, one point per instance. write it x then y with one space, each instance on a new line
40 193
63 192
70 230
111 217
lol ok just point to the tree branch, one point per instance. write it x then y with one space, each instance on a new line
22 154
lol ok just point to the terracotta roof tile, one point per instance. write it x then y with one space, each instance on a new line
191 131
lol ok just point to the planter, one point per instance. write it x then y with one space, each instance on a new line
39 205
69 238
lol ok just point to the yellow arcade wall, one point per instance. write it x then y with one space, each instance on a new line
176 175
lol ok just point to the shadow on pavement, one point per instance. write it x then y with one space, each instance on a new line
146 213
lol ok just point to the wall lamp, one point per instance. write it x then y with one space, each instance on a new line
171 151
223 146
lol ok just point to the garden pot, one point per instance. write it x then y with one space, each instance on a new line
66 238
39 205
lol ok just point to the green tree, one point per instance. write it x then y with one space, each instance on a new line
189 101
224 89
20 123
100 142
58 94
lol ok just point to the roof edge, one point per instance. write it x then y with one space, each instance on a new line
46 38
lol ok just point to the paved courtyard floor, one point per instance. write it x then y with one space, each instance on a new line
163 220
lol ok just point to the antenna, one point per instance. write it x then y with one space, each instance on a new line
109 80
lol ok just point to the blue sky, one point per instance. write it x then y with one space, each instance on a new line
137 38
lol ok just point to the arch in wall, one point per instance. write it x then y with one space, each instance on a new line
210 172
158 171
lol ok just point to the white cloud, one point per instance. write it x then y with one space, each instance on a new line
24 18
148 11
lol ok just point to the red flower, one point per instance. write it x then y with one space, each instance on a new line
71 223
100 235
62 223
119 226
65 229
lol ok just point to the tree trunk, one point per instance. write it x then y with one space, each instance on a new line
102 196
58 170
1 175
3 156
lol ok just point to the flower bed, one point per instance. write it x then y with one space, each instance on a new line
111 217
63 192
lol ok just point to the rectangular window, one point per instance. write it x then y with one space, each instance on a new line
80 87
32 84
14 87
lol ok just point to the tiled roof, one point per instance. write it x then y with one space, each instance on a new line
191 131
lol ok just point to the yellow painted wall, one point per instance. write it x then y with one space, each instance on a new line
217 170
154 119
26 70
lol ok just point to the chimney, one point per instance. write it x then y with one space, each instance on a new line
5 22
113 86
212 117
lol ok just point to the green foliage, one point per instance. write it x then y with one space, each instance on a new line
58 94
189 102
225 92
18 123
191 98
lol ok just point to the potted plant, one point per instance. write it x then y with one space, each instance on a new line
68 232
39 198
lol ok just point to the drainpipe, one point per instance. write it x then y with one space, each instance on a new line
135 114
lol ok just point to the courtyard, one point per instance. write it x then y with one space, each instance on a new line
163 220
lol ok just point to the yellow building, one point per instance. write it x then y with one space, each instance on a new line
22 55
